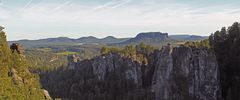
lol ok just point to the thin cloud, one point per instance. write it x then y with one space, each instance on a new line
123 2
112 4
28 4
61 6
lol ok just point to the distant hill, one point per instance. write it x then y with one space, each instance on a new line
188 37
160 39
106 40
152 38
69 41
148 38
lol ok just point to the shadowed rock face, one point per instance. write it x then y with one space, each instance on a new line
186 74
72 61
181 73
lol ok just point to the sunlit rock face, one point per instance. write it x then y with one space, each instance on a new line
186 74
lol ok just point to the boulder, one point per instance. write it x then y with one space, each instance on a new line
18 48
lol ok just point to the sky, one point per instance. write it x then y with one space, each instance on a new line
36 19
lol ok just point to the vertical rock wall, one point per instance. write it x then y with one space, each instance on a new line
186 74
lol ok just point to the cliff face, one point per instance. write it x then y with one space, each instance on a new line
72 61
109 77
180 73
186 74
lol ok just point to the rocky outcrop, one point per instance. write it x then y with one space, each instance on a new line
115 63
162 72
46 95
16 82
180 73
186 74
18 48
15 78
72 61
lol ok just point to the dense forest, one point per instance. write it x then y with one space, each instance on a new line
226 44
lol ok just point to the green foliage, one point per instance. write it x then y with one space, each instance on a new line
145 49
105 50
199 44
13 69
44 61
138 53
226 44
129 51
45 49
66 53
53 57
4 55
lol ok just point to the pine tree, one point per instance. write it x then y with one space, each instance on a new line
16 82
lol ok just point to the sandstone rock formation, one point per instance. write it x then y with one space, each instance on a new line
18 48
16 79
186 74
72 61
16 82
180 73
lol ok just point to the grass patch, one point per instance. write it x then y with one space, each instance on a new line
45 49
66 53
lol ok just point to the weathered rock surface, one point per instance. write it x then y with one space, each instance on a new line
115 63
180 73
186 74
72 61
15 78
18 48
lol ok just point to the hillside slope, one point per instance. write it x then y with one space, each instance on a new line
16 82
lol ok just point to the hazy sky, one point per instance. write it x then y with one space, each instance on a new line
34 19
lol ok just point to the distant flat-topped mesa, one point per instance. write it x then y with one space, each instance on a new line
152 35
148 38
